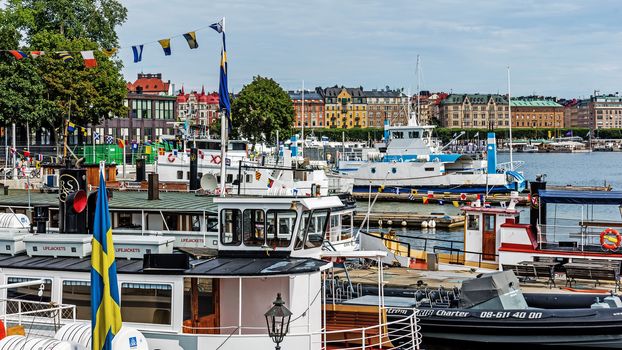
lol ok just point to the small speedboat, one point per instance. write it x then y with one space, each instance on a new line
492 311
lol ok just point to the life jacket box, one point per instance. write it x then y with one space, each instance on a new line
58 245
135 247
12 243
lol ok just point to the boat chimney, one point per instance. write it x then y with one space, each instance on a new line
537 210
41 214
491 153
153 190
72 200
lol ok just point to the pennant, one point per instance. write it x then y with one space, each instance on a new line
411 197
270 183
84 131
456 204
218 26
147 149
257 175
109 139
89 59
138 53
18 54
65 56
191 38
40 157
35 54
425 200
109 52
120 143
95 136
71 127
26 153
166 46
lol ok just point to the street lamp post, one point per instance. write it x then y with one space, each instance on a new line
277 320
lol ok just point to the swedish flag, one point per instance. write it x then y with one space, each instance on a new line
105 305
223 86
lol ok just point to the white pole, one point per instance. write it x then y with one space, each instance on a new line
223 152
123 156
28 142
510 119
418 91
302 132
14 148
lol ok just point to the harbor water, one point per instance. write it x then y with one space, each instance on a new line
577 169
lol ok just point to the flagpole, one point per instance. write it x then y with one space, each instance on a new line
302 136
223 152
28 144
14 150
510 119
93 144
123 157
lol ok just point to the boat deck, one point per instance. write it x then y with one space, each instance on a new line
449 276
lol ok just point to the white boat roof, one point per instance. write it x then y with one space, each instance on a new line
363 254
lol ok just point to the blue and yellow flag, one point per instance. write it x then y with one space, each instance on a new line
105 305
65 56
223 88
71 127
166 46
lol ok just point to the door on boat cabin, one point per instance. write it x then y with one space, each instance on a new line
489 237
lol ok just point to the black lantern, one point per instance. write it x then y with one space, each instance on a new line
277 319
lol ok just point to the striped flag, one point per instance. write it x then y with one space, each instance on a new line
65 56
89 59
105 301
35 54
109 52
191 38
166 46
138 53
71 127
18 54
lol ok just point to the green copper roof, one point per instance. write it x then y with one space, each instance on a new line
535 103
130 200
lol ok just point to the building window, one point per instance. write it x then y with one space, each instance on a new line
146 303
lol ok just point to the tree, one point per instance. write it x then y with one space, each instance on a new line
261 108
44 90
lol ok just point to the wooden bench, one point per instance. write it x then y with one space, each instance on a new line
534 271
598 262
592 272
344 319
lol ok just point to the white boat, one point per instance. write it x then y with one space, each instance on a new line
415 161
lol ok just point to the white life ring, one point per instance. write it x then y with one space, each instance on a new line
217 191
171 157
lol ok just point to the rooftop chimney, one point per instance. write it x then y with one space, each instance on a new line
153 189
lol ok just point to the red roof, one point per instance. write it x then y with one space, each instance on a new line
149 84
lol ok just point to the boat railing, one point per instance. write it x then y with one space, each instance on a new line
460 255
42 318
505 166
575 237
403 333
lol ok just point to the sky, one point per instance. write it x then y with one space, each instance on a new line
562 48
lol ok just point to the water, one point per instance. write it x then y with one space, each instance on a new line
577 169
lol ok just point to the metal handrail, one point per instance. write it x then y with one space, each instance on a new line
452 250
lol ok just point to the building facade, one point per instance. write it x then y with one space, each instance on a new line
426 107
537 113
605 111
467 111
344 107
199 108
384 105
151 112
313 107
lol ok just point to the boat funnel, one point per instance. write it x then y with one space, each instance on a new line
491 153
386 131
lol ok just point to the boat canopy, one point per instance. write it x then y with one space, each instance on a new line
581 197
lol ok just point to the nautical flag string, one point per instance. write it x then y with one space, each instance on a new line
109 52
89 59
65 56
18 54
105 302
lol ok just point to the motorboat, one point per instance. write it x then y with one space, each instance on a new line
491 312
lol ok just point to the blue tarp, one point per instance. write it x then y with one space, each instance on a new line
581 197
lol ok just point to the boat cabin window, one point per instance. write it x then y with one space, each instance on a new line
78 293
398 134
254 227
414 134
235 146
146 303
200 306
472 222
231 227
302 228
313 225
180 175
280 227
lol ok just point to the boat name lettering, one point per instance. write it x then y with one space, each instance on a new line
452 313
508 314
398 311
47 247
425 313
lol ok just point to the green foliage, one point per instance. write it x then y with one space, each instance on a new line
353 134
261 108
45 90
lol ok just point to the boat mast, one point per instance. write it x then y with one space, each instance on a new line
302 133
418 90
510 119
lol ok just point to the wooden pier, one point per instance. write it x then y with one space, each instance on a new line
393 219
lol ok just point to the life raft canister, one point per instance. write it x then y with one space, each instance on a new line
171 157
610 239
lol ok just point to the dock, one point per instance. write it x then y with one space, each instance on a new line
393 219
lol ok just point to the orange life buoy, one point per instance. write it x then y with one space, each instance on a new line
171 157
610 239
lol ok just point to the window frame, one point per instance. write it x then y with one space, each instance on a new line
233 243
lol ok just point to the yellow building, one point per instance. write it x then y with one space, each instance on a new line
345 107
